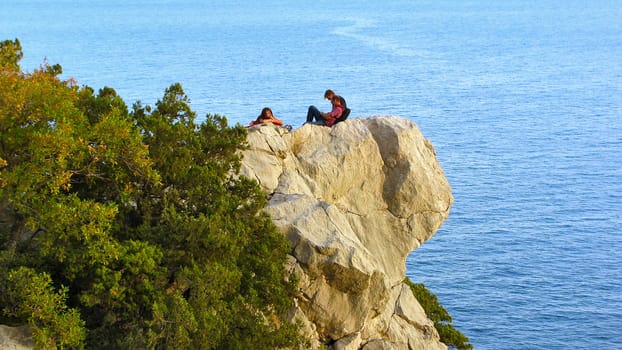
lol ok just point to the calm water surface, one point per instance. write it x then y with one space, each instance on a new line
522 100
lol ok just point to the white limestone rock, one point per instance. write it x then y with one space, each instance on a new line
354 200
15 338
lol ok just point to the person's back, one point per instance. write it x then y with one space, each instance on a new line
343 102
329 94
336 112
346 110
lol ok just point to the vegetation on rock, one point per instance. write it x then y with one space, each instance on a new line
130 229
441 318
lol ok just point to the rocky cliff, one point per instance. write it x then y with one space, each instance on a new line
353 200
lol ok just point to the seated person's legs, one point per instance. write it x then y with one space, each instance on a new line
314 113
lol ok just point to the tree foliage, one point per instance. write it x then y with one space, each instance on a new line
441 318
132 226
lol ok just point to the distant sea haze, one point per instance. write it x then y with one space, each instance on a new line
522 100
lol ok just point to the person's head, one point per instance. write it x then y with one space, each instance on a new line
266 113
335 100
328 94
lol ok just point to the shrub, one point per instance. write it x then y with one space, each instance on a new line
441 318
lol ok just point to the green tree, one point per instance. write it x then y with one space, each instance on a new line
62 182
441 318
134 226
52 324
10 55
209 223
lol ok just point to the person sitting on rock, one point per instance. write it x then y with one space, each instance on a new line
322 118
346 111
328 94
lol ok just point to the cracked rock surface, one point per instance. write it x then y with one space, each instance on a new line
354 200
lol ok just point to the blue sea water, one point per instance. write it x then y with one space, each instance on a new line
521 98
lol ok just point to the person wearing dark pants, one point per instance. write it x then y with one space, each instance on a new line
315 116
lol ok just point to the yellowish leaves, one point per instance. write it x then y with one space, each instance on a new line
97 151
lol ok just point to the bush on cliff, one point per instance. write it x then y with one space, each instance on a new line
131 227
441 318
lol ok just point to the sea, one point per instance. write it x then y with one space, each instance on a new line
522 100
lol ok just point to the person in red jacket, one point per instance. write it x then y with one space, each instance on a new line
266 117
